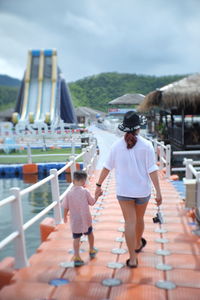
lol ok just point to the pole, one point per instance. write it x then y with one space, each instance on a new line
29 154
56 196
188 173
161 155
168 161
21 260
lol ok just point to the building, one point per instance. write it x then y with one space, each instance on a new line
121 105
174 112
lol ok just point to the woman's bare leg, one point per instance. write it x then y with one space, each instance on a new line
140 211
128 210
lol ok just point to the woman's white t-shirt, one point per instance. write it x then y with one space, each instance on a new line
132 167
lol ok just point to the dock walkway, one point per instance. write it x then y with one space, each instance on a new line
171 244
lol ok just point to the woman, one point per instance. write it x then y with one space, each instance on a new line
133 159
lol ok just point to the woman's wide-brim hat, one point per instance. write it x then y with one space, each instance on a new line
131 122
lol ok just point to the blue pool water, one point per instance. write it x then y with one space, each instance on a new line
33 203
180 187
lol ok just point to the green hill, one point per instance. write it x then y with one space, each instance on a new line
8 97
6 80
9 87
93 91
96 91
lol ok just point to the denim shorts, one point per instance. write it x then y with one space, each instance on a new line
139 201
78 235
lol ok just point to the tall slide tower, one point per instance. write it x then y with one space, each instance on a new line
44 95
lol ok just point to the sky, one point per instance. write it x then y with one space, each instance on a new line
153 37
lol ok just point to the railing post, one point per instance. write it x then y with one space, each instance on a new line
155 145
95 141
89 149
168 161
56 196
188 173
85 159
73 147
161 155
21 260
95 157
73 166
198 191
92 158
29 154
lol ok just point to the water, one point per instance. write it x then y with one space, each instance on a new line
32 204
180 187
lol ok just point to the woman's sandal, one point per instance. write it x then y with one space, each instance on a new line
131 266
144 242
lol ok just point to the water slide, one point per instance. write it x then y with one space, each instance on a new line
47 103
31 86
43 96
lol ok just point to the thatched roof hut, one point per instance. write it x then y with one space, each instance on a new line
128 99
83 111
181 94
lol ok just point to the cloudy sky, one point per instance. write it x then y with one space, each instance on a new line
155 37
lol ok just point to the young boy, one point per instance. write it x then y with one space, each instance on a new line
77 202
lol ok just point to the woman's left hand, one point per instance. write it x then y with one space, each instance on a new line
98 192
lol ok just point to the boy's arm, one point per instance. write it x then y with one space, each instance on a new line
91 200
65 205
65 214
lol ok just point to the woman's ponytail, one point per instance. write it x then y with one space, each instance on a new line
130 139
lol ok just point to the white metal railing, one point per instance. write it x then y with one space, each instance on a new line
188 153
190 170
72 142
163 155
89 155
190 173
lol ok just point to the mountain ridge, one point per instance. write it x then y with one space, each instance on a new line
6 80
94 91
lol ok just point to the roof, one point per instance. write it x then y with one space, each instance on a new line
128 99
87 112
182 93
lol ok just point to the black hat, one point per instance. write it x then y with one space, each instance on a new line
130 123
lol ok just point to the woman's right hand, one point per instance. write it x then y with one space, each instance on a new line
158 198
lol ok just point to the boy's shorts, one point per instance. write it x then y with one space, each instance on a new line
139 201
78 235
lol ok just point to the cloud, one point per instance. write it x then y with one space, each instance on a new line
10 68
92 36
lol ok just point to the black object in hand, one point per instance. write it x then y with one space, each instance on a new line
158 218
